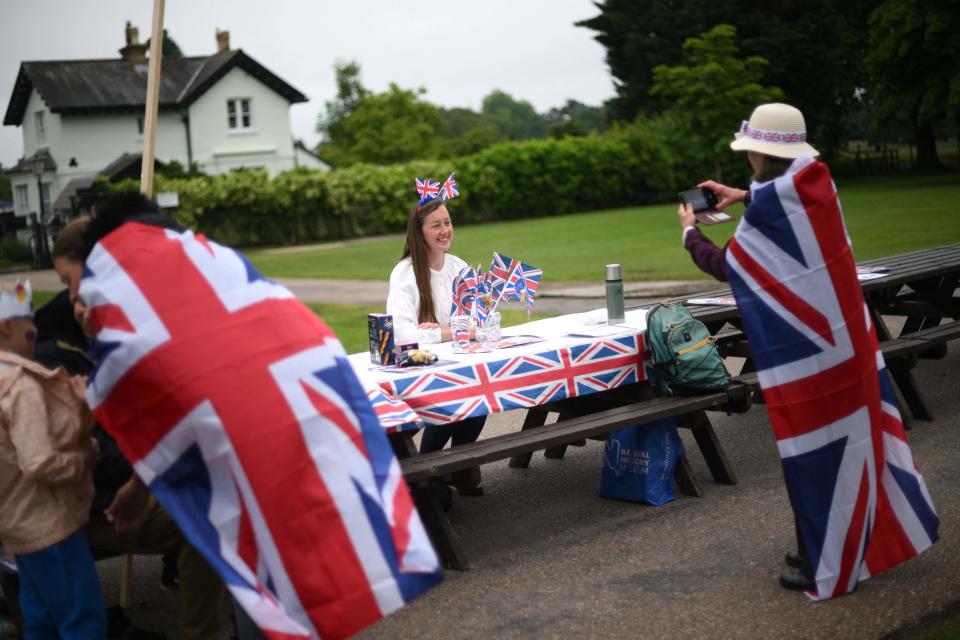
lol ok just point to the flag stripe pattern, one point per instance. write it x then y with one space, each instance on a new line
238 408
861 503
453 393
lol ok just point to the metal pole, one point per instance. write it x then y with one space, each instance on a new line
153 97
43 247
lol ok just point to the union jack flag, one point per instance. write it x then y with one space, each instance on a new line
483 294
522 381
522 284
427 189
861 503
500 269
464 292
449 188
239 410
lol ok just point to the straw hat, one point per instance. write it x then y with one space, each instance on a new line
774 129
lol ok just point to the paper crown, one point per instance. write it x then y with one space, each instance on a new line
17 303
429 189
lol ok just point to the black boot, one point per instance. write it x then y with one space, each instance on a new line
797 581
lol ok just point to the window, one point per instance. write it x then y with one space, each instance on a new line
41 128
238 114
22 198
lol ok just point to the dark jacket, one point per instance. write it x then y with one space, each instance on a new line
706 255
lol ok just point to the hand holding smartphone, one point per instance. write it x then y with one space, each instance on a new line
704 204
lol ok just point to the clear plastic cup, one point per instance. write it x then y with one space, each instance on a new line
460 328
491 330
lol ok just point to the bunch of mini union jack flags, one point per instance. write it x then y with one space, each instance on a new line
477 294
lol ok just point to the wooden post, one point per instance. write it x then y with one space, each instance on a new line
153 98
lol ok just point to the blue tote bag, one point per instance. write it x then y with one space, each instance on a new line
638 463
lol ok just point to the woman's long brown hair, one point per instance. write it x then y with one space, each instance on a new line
416 248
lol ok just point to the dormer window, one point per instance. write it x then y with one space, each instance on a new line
238 114
41 127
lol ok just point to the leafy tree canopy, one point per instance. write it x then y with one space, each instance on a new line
914 62
514 119
575 119
714 89
814 48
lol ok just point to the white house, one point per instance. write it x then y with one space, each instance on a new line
222 112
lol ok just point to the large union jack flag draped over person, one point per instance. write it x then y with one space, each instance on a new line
237 407
861 503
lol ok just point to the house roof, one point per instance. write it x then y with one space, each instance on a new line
86 86
25 165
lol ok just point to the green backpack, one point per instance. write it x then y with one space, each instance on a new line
685 355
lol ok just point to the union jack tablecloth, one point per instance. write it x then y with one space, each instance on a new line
561 366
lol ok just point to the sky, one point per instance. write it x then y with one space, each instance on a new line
458 50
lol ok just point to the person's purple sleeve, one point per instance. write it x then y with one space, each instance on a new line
706 255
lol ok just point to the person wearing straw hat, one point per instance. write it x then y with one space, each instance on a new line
773 138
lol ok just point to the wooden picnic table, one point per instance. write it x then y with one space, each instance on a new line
919 285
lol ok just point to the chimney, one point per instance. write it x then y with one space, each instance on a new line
223 41
134 51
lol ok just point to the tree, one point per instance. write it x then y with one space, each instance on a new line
575 119
712 90
464 131
514 119
914 63
815 49
382 128
349 94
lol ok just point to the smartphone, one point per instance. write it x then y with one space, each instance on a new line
704 203
701 199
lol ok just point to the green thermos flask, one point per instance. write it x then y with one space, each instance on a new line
615 313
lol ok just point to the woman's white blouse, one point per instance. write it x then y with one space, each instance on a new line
403 300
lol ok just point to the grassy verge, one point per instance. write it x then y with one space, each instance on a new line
885 215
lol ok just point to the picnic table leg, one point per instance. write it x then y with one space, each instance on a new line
686 481
434 518
536 417
940 293
902 376
710 446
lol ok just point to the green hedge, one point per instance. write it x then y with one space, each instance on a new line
632 165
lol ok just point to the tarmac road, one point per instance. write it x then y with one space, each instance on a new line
550 559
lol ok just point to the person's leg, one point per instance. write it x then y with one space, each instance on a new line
466 431
36 621
201 590
63 580
434 437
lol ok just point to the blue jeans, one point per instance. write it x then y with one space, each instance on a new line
60 592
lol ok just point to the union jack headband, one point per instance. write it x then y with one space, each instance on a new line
429 189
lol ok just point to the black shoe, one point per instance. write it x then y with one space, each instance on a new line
796 581
795 560
470 492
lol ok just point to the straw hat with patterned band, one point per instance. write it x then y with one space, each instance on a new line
774 129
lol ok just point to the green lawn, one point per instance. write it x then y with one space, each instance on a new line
885 215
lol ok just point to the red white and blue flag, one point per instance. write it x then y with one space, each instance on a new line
427 189
449 189
522 284
522 381
861 504
238 408
464 293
